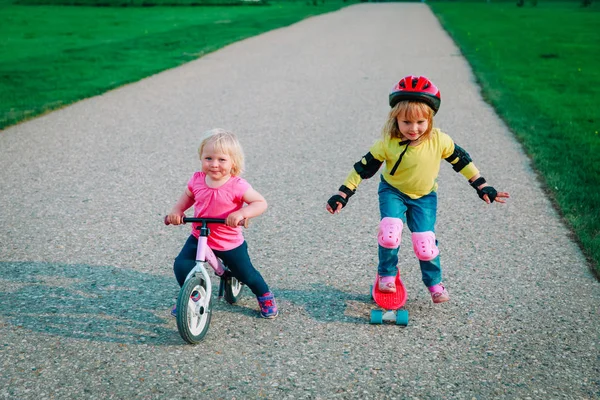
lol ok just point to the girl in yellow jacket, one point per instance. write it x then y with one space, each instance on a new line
412 150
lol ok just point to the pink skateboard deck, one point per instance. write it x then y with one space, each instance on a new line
390 301
391 304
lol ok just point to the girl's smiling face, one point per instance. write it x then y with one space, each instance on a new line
412 128
215 164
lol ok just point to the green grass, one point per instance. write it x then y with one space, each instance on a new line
540 68
51 56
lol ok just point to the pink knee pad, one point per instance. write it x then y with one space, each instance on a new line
424 245
390 232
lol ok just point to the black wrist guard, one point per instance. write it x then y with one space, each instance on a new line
489 190
335 199
346 190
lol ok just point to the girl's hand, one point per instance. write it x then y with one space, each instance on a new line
175 218
186 200
234 219
336 203
500 196
487 193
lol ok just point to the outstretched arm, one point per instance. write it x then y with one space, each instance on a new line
363 169
461 162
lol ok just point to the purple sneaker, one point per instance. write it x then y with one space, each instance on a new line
268 308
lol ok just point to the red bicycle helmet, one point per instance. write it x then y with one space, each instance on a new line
416 88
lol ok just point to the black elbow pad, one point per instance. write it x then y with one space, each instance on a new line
459 158
367 166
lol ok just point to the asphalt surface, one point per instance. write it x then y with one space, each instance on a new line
86 278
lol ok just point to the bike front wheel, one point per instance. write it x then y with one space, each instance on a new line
193 310
233 289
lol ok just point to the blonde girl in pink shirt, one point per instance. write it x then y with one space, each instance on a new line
219 192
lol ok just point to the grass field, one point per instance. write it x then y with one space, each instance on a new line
540 68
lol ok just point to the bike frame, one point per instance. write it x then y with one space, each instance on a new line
204 253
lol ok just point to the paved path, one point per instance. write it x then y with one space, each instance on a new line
85 262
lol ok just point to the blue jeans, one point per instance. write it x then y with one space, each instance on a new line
419 214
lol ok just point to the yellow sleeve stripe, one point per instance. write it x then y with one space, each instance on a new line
353 180
469 171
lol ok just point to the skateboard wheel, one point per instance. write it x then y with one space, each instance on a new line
402 317
376 317
371 293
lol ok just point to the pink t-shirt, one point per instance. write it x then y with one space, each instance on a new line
218 203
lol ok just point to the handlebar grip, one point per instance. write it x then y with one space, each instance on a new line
166 220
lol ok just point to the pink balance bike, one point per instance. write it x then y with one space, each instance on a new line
194 307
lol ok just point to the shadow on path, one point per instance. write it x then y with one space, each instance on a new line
97 303
325 303
109 304
320 302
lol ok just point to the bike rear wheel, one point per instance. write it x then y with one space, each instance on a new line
233 289
193 310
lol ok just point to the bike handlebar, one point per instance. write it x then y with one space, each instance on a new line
205 220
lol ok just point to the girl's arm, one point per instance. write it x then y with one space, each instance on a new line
461 162
256 206
368 166
178 212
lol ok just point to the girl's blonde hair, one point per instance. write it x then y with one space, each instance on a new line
411 110
225 142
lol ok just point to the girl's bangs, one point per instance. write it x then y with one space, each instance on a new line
415 110
223 144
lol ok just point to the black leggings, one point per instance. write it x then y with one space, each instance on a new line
237 260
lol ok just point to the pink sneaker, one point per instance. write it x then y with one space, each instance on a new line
439 294
387 284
